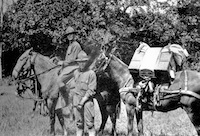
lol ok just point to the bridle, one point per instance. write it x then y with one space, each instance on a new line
104 64
27 75
30 75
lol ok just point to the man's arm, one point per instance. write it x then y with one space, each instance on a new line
91 89
76 48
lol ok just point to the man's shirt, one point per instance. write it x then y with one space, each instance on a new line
85 82
72 52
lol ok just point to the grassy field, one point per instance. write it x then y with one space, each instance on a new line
16 120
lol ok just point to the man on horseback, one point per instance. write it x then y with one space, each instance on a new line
85 86
69 64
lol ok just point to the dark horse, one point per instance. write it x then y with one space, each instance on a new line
117 70
45 73
184 92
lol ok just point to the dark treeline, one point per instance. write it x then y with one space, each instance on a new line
41 24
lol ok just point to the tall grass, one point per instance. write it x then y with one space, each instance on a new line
16 120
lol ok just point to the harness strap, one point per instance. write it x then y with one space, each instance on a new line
186 92
107 62
33 75
127 81
186 80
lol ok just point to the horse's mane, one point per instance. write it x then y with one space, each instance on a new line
120 70
124 66
45 59
116 58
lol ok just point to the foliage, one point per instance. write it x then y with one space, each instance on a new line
42 23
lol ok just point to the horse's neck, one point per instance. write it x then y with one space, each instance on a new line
42 64
119 72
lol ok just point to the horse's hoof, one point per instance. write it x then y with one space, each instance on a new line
65 133
49 133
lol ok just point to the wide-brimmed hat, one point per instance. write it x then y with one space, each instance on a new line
70 30
82 56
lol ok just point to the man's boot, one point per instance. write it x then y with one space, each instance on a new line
79 132
65 94
52 125
91 132
62 121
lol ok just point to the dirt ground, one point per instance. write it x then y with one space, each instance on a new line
16 120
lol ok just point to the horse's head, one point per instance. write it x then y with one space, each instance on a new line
22 69
103 60
23 64
108 63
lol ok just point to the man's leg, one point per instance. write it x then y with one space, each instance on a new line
62 88
89 117
78 116
61 119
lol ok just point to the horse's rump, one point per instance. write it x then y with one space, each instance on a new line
186 80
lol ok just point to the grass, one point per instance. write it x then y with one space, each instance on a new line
16 120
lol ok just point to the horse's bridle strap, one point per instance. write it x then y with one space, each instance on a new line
186 80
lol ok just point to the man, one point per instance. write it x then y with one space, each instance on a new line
66 73
85 85
68 65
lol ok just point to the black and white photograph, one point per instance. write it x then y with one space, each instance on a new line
99 68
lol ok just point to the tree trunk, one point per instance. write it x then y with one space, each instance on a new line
1 40
1 45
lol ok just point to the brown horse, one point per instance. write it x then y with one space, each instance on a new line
118 71
184 92
45 72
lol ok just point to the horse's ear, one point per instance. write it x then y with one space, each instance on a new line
31 51
113 50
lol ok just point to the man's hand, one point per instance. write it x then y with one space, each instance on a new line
60 63
82 102
79 107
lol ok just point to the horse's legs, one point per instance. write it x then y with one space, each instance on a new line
113 117
52 123
130 103
195 118
59 113
130 116
139 118
51 105
104 115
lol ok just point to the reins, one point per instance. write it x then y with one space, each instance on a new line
32 76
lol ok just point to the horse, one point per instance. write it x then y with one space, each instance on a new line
45 72
118 71
183 92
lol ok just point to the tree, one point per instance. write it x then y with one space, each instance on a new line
41 24
1 41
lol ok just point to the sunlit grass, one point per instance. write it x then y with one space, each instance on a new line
16 120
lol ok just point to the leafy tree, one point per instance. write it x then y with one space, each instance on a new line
42 23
